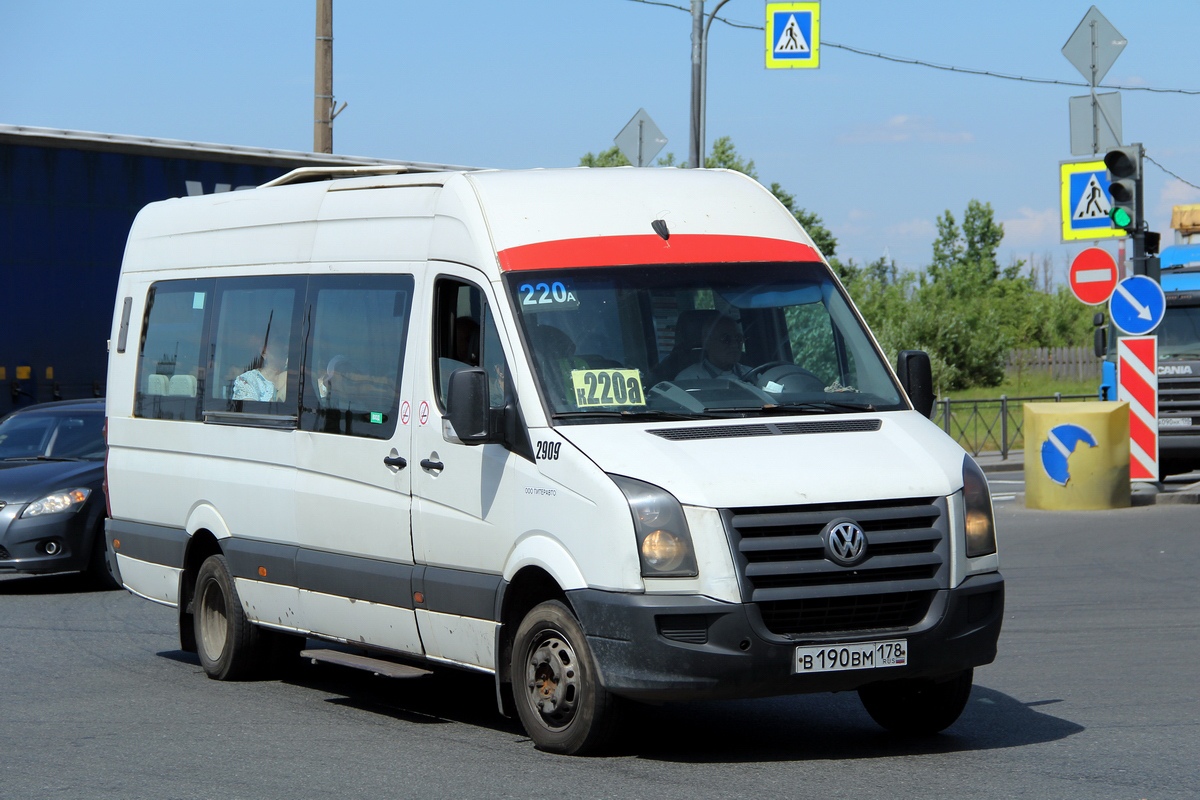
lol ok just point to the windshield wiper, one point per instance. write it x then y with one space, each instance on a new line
827 406
820 406
41 458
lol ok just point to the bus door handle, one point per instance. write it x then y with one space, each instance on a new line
431 465
399 462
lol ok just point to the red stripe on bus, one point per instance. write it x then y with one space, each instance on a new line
682 248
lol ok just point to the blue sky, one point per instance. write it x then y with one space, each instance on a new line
878 149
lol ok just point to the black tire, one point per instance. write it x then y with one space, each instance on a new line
98 572
229 645
556 687
917 707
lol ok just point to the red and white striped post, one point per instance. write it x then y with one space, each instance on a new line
1137 382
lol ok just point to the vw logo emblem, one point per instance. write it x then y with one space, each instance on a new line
845 542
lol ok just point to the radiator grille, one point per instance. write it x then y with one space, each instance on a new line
1179 397
798 590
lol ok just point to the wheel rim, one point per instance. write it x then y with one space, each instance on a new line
553 680
214 626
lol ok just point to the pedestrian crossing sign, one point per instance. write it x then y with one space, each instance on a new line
793 35
1085 201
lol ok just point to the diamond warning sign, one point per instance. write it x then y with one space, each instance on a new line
793 35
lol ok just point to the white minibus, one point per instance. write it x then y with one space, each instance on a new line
609 435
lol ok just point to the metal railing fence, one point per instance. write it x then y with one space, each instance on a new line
991 425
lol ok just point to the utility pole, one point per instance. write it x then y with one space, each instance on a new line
695 156
696 138
323 101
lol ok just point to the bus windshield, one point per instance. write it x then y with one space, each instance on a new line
696 340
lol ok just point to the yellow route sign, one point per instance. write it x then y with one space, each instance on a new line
607 387
793 35
1085 201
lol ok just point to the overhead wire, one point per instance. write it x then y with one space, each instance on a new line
1172 174
961 70
933 65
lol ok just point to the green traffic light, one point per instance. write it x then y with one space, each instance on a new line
1120 218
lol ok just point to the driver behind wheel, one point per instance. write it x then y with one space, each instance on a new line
721 347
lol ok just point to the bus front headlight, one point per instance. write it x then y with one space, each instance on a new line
664 542
977 503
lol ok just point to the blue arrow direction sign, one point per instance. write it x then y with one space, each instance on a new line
1058 447
1137 305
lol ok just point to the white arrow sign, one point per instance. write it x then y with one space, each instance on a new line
1143 312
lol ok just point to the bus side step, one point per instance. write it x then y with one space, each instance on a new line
388 669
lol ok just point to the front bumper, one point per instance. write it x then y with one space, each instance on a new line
23 542
658 648
1179 451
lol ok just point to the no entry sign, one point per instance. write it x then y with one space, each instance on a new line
1093 276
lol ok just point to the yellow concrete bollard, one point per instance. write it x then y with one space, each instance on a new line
1076 456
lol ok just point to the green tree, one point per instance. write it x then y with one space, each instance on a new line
725 156
612 157
964 259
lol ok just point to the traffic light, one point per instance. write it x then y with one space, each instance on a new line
1153 240
1124 166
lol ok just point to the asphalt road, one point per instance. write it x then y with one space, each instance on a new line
1094 695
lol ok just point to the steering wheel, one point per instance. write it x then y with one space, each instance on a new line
754 375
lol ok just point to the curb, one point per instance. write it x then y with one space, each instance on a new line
1003 466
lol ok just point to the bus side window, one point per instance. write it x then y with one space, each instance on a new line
465 335
355 356
171 369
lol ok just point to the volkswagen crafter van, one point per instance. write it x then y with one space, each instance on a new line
609 435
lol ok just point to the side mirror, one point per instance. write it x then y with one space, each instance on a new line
916 376
467 405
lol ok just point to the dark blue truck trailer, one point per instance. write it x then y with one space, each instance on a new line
67 200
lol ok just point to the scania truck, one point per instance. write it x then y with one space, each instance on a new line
1178 348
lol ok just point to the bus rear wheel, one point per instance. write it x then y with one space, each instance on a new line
229 645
